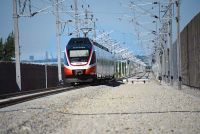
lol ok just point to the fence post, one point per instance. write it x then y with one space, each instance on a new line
46 75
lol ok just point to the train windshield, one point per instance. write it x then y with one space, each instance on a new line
78 53
77 56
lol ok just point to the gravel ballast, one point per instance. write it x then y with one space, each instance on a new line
127 108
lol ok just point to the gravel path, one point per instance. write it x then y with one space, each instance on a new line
128 108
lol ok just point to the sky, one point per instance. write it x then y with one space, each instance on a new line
38 33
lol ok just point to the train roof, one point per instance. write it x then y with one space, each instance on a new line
82 40
79 41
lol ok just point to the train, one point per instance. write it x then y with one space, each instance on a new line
87 61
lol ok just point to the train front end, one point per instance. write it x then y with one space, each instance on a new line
79 61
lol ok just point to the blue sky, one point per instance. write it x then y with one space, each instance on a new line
37 34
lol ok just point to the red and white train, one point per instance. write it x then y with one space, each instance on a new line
86 61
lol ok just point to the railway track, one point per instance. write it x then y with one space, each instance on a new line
15 98
19 97
140 77
143 75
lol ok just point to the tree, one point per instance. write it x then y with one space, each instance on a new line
1 49
7 49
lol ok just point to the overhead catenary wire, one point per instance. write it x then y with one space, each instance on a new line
68 13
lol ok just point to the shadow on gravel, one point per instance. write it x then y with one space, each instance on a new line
111 83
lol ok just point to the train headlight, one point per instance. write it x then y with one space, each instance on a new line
91 70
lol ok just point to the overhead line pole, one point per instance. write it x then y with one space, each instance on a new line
178 42
58 43
16 37
171 53
76 18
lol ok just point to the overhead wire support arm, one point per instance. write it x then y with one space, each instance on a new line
46 8
153 15
24 5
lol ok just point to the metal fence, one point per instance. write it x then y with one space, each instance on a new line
32 76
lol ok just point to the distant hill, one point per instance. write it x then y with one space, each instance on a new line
46 61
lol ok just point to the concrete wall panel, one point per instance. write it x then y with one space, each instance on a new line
193 51
184 56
